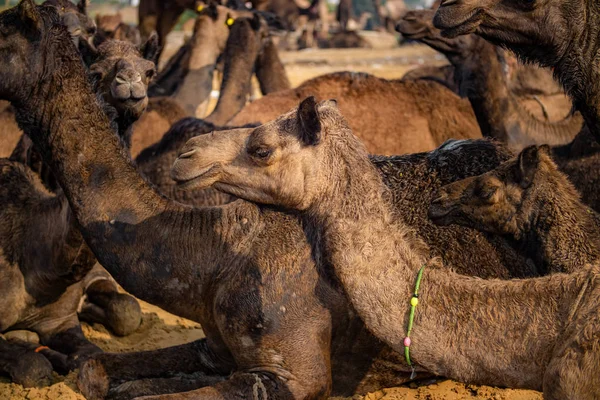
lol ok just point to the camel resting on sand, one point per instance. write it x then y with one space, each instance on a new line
541 334
530 200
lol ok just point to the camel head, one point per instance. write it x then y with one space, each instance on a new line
537 30
123 72
213 22
75 18
501 201
418 25
111 26
284 162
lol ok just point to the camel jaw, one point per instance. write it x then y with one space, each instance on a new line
441 215
193 177
450 28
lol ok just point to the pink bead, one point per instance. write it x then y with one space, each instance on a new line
407 341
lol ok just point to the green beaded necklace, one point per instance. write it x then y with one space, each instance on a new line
414 300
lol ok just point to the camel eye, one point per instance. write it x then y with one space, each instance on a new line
262 153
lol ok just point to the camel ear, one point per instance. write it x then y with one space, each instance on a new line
149 49
82 6
309 125
527 162
30 15
88 52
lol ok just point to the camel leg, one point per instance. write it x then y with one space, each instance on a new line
96 375
119 312
157 386
72 343
24 365
242 386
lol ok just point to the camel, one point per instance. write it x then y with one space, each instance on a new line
160 16
269 69
113 27
540 334
45 270
75 18
531 201
245 40
559 37
480 75
189 260
429 112
188 76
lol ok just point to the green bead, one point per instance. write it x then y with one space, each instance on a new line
414 301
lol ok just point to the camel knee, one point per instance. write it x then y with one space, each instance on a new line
31 369
123 314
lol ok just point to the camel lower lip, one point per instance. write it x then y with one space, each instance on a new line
193 181
438 216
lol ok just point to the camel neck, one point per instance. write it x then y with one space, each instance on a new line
270 71
563 233
145 241
377 258
240 52
480 75
196 86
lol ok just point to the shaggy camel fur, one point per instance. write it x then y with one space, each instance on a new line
479 72
540 334
530 200
558 35
189 260
75 18
429 113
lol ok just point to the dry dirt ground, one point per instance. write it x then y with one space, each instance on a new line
160 329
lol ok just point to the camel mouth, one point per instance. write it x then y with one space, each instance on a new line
440 214
410 30
193 178
452 28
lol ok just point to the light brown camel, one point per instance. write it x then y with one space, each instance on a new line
540 334
561 35
391 117
111 26
531 201
189 261
479 72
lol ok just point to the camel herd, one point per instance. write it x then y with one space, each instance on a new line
293 229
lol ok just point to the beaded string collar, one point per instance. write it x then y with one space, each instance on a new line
414 301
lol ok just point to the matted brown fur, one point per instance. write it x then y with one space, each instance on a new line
391 117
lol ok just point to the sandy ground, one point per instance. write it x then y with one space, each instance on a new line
160 329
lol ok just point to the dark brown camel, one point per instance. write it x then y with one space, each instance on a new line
540 334
269 69
75 18
160 16
530 200
479 72
198 257
558 35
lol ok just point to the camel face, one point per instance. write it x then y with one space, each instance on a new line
276 163
75 19
522 26
123 73
498 201
418 25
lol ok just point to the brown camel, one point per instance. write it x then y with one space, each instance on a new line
113 27
188 77
246 38
160 16
391 117
562 36
75 18
269 69
540 334
479 72
190 260
443 75
530 200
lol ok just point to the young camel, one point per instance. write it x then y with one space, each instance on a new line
479 72
295 335
430 113
540 334
561 35
530 200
